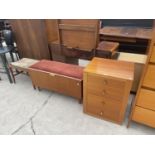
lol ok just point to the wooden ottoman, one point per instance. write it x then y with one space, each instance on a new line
21 66
57 76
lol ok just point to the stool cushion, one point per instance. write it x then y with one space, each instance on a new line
70 70
24 63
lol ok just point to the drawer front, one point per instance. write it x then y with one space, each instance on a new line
106 87
146 99
106 108
149 79
144 116
152 59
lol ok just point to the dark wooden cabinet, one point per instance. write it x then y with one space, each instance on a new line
31 38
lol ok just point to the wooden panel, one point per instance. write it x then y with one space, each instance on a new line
111 68
43 79
103 107
93 22
59 83
30 35
146 99
76 27
109 89
149 78
52 30
80 34
126 32
152 58
144 116
69 86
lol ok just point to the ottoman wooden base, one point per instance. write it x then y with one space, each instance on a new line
59 77
58 83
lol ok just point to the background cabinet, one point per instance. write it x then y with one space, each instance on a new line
143 109
31 38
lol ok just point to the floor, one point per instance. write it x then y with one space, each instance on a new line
25 111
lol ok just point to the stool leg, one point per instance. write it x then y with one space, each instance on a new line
80 101
5 64
12 74
12 57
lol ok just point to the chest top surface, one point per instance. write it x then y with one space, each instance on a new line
112 68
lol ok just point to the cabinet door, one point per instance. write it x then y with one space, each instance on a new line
31 39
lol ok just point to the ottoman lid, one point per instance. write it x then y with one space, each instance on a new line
70 70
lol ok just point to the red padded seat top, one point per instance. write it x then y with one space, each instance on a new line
70 70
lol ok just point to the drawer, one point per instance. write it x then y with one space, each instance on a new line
149 78
100 106
144 116
146 99
152 58
106 87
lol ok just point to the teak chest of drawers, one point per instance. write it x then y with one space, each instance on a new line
107 85
143 109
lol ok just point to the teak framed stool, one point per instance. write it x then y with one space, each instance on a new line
21 66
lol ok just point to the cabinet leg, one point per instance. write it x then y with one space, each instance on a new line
80 101
12 74
34 86
39 89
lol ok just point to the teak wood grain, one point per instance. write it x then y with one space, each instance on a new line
56 82
106 91
31 39
146 99
142 110
126 32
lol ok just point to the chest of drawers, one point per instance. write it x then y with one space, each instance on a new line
107 85
143 110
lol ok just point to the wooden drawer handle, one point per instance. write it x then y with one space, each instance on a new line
103 92
77 83
103 102
105 82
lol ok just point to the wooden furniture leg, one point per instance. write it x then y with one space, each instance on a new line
11 71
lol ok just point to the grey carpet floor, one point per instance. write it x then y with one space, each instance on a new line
25 111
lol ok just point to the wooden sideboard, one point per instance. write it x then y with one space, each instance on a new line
107 84
131 39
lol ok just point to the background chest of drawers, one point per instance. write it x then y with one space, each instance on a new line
143 110
107 85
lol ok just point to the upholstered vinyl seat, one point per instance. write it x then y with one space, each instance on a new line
59 68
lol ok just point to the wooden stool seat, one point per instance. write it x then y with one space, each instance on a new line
107 48
21 66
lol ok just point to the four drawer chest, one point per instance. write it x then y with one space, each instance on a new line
143 109
107 85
